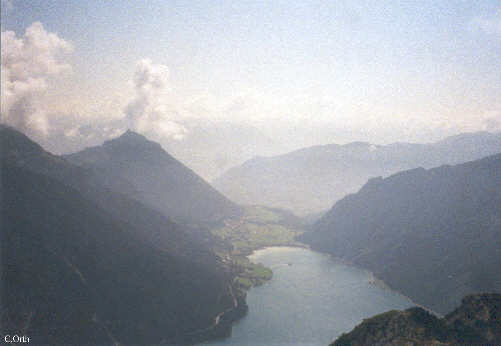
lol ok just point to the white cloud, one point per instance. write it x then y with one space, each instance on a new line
488 24
150 111
28 63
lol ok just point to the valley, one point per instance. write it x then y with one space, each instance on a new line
250 173
258 227
244 257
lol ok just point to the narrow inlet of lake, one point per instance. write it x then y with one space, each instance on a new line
311 300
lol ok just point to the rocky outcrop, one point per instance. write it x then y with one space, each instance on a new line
477 321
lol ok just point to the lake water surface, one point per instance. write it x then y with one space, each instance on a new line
311 299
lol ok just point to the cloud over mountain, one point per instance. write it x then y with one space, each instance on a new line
150 112
28 64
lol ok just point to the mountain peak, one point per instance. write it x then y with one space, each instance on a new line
158 179
131 135
132 139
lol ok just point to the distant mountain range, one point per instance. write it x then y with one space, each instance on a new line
475 322
312 179
82 264
434 235
210 148
142 170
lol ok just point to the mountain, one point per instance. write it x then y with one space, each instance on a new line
476 321
84 265
210 148
310 180
142 170
434 235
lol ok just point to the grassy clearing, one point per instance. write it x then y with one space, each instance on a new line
259 227
251 274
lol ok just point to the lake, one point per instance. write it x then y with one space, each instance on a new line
311 299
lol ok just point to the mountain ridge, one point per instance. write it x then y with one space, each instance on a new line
311 179
434 235
157 178
82 264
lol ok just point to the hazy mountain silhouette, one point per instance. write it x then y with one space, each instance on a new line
434 235
210 148
156 178
81 264
475 322
312 179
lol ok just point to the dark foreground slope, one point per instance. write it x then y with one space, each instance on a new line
156 179
312 179
434 235
477 321
75 272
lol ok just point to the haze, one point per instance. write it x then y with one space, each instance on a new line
219 82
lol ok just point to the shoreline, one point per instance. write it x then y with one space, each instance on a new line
372 278
378 281
222 328
301 246
222 325
264 247
367 278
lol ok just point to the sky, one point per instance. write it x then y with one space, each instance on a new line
216 82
